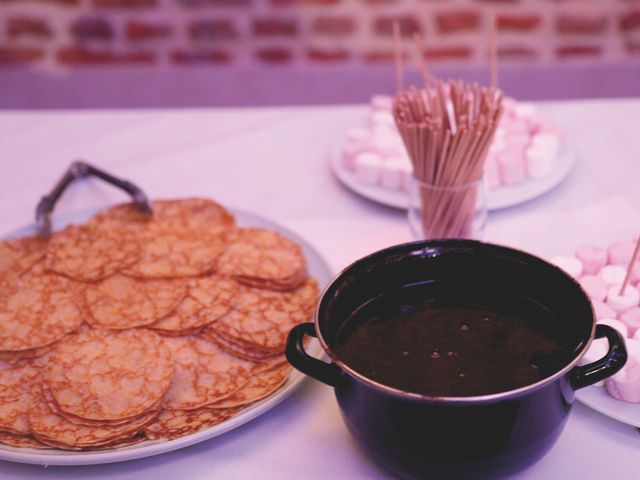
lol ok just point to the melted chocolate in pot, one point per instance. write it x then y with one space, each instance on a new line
440 339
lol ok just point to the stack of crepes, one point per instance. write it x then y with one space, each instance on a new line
131 327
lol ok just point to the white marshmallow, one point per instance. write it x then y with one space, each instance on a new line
358 134
571 265
547 141
381 118
386 145
391 174
617 324
349 152
501 133
625 385
497 146
539 161
633 348
525 109
612 274
381 102
367 167
620 303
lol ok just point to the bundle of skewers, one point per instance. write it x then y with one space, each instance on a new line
447 129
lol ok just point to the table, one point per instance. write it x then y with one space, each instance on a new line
272 162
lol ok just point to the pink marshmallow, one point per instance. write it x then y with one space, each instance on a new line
620 253
516 127
549 126
511 166
517 140
349 152
625 385
631 318
617 324
602 310
593 258
594 286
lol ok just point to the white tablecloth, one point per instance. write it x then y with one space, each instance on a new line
273 162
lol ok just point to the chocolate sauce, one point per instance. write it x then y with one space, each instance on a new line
444 339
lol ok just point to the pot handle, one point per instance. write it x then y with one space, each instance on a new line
608 365
325 372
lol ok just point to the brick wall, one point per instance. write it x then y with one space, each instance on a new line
65 34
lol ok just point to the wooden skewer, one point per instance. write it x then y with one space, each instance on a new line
398 56
634 257
422 62
493 52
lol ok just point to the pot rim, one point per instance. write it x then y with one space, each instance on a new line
487 398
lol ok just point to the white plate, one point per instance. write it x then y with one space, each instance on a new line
318 268
599 400
499 197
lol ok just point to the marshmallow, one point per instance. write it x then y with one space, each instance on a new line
546 140
620 253
367 167
631 319
593 258
511 166
617 324
382 118
602 310
516 127
633 348
546 125
509 104
349 152
594 286
621 302
498 145
385 146
571 265
382 102
525 109
391 173
539 161
625 385
612 274
358 134
518 140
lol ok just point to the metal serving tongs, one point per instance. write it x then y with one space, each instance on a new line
77 170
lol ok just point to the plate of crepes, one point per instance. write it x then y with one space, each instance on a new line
126 335
527 158
601 270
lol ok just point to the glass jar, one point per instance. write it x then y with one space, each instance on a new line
458 211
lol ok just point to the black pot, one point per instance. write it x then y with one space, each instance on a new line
418 436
